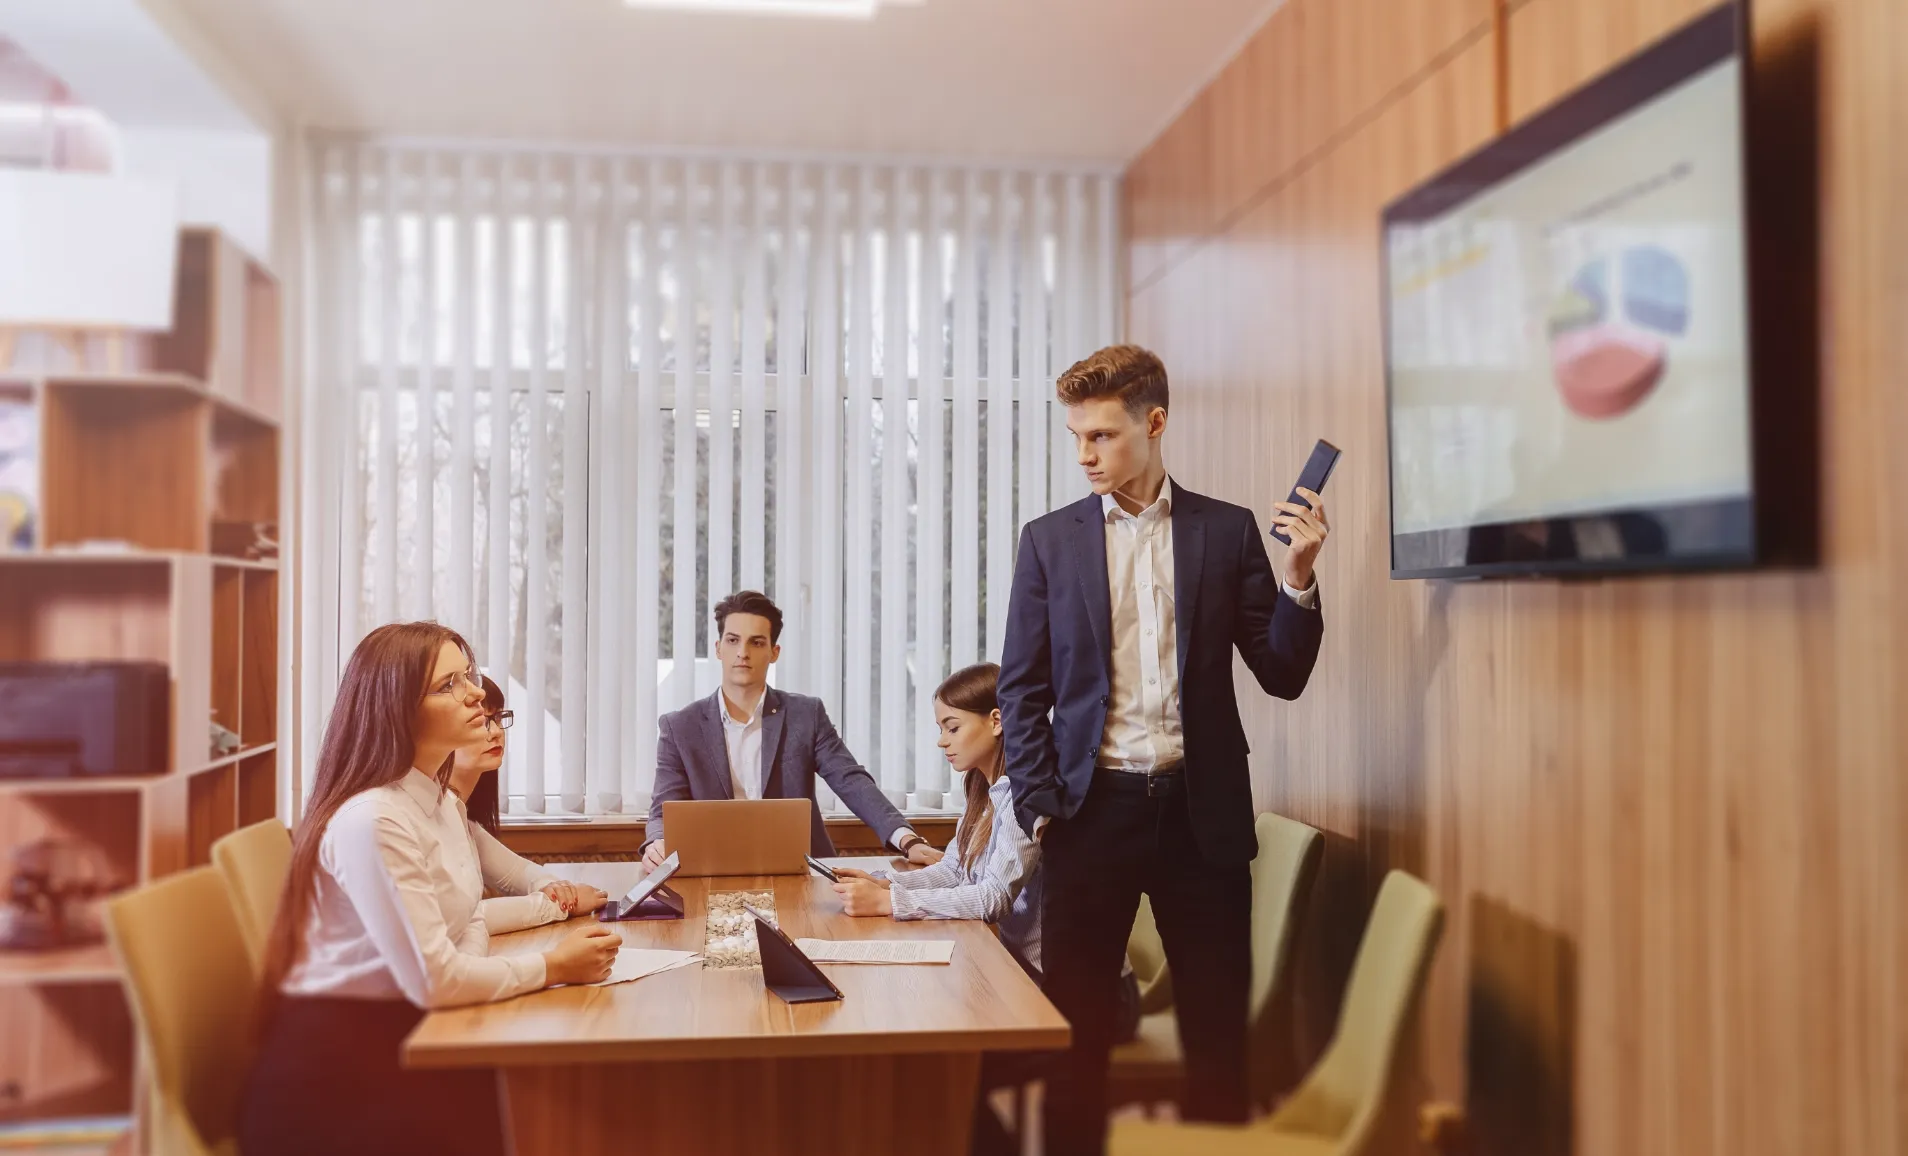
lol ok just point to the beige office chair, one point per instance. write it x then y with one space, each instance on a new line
254 861
1343 1106
1152 1066
194 997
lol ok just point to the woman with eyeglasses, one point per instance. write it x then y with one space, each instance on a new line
525 894
379 923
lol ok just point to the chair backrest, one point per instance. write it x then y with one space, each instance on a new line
254 861
1147 954
1282 876
1345 1095
194 997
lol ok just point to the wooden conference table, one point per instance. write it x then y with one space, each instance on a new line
700 1060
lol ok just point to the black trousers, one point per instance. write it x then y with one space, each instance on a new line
1131 837
328 1083
1012 1069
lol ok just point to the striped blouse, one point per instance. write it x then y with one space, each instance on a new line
1002 887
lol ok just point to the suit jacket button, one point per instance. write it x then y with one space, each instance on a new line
1106 699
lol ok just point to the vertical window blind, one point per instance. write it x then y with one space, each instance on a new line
563 403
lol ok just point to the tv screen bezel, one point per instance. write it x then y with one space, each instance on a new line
1710 39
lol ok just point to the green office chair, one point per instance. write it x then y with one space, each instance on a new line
1344 1106
1152 1066
194 997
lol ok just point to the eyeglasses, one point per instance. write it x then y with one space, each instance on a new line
449 686
500 721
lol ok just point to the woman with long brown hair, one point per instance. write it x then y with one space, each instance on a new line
379 922
991 869
525 895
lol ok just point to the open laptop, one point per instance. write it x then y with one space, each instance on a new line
738 836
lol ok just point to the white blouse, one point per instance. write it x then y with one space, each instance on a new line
396 906
519 902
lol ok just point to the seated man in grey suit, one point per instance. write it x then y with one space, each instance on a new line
747 741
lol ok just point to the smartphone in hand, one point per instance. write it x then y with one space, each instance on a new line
822 869
1317 469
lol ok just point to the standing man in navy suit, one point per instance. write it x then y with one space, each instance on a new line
1124 745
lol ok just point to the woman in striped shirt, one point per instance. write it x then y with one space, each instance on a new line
992 868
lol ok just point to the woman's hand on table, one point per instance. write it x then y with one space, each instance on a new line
862 896
574 898
584 956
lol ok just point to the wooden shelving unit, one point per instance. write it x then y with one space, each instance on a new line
138 473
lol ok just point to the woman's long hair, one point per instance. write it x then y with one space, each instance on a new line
975 688
369 742
484 806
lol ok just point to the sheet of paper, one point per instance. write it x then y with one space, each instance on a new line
637 962
878 950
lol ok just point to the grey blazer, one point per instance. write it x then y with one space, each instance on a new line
798 743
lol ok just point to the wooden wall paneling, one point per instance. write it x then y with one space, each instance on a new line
1165 207
1313 70
1557 45
1665 813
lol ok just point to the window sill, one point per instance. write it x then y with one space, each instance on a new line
617 837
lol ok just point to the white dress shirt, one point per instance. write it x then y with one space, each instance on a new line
744 741
518 902
395 906
1143 732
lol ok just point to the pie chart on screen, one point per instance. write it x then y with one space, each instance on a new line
1610 329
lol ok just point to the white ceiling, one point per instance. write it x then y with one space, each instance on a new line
1055 80
122 58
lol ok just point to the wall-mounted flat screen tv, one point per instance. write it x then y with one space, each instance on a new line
1567 332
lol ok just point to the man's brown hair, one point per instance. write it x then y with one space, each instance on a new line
1133 375
750 602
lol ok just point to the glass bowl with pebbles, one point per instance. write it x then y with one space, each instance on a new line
729 930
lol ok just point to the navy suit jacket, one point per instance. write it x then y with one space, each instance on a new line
798 743
1056 669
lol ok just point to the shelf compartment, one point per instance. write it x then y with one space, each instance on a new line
258 710
123 462
257 788
225 324
212 812
66 1049
82 613
244 472
228 600
104 822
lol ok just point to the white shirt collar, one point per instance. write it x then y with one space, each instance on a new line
422 788
1161 507
728 719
